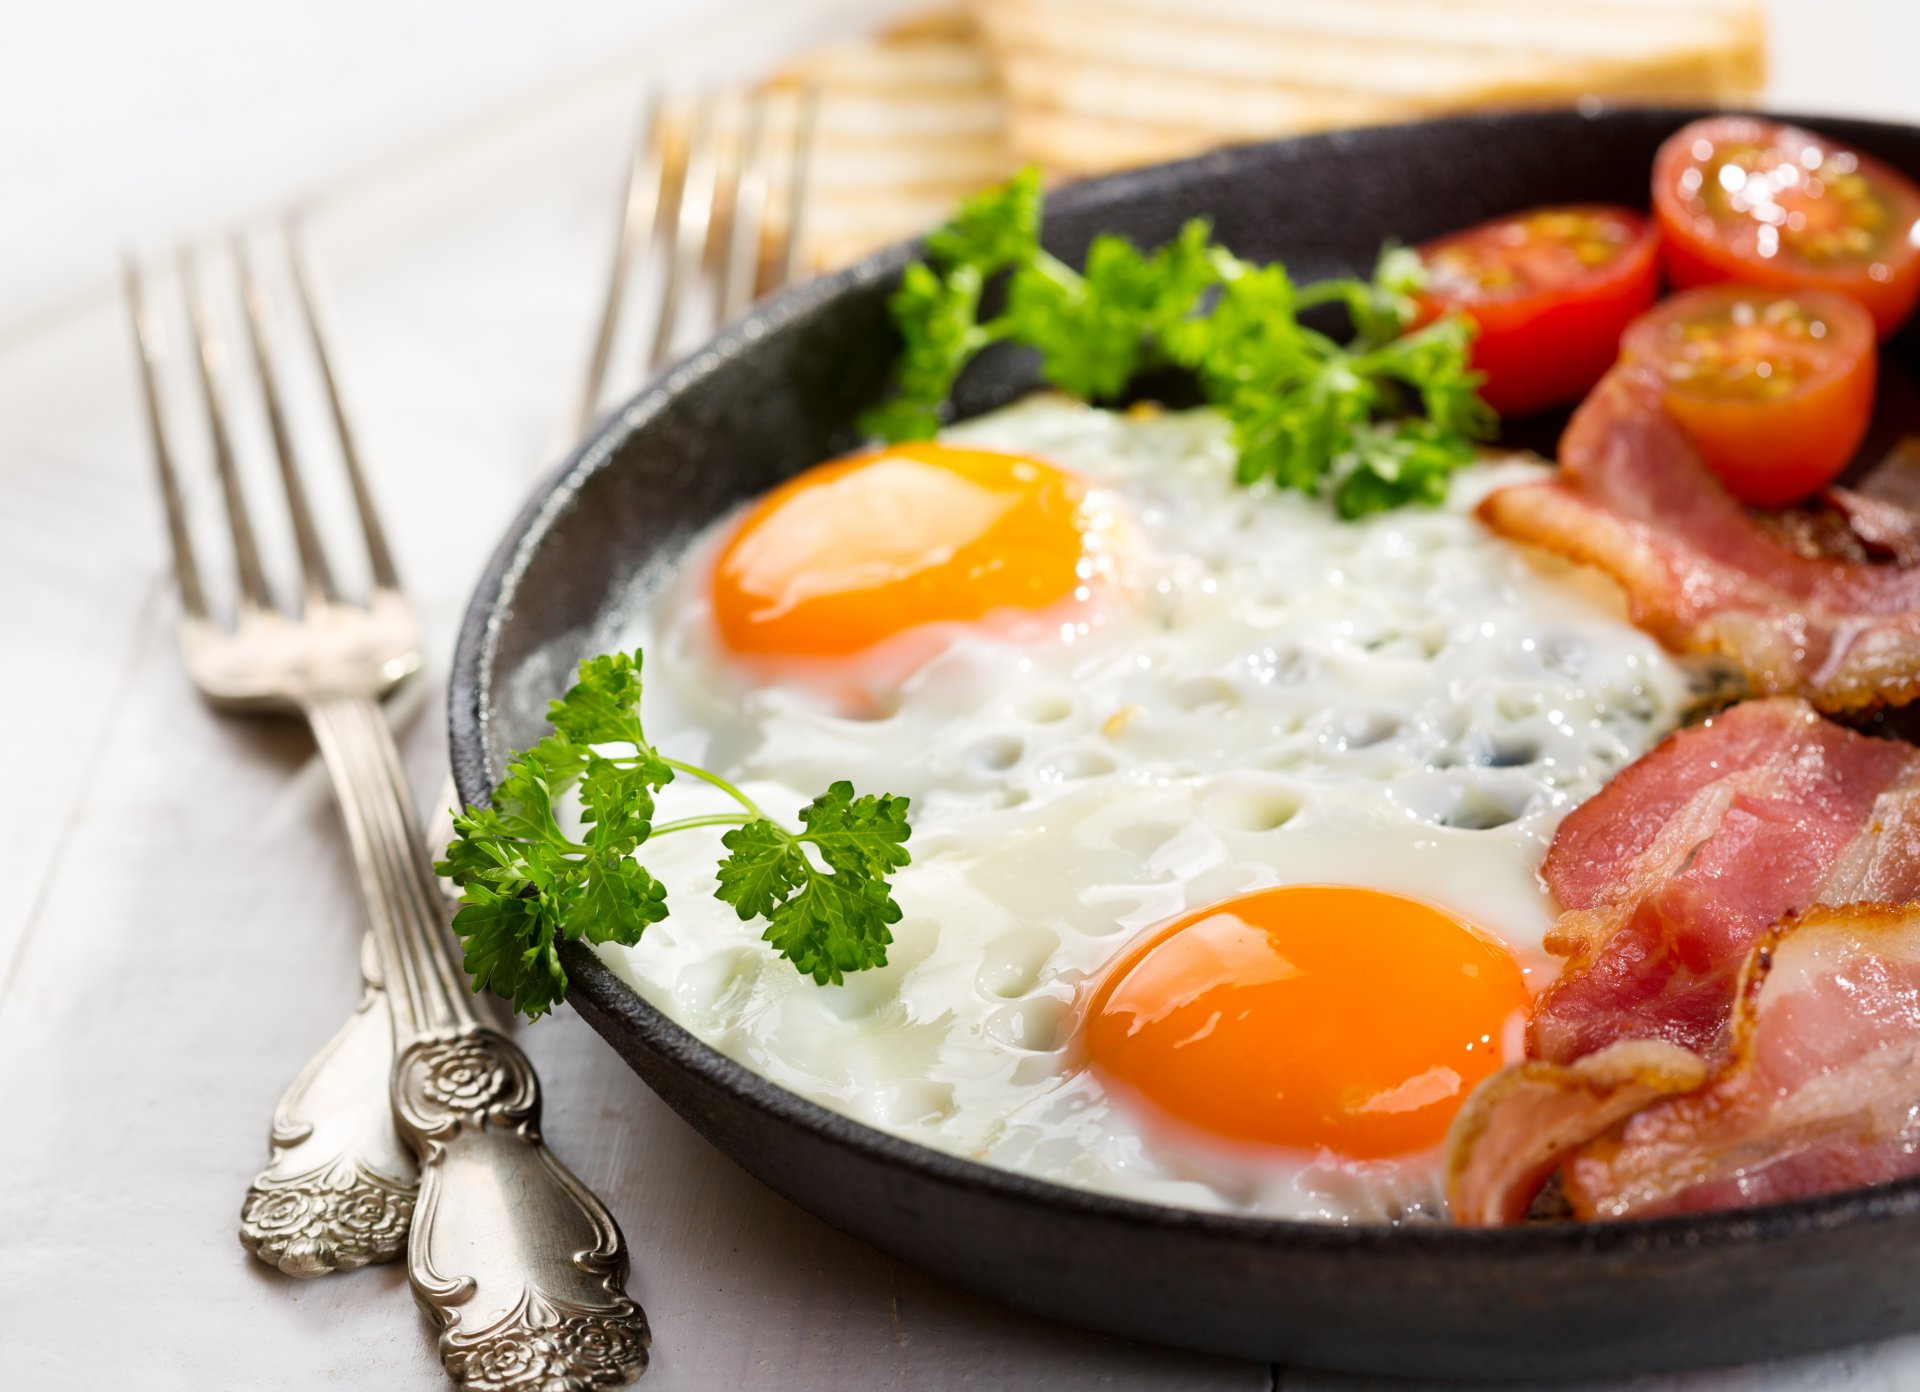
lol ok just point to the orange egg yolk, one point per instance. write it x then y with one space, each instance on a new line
1308 1016
856 551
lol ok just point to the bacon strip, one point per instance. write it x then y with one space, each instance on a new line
1667 878
1821 1090
1515 1129
1670 873
1634 498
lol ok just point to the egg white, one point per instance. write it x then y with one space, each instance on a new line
1273 696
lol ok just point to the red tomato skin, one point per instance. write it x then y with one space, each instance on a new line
1774 461
1547 348
1692 258
1775 454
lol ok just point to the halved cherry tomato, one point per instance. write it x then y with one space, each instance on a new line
1773 387
1551 289
1756 201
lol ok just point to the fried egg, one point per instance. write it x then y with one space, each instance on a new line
1227 813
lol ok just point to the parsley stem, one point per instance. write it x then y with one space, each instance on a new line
1340 290
1058 271
716 781
711 819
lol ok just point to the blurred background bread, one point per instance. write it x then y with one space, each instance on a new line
906 123
913 118
1096 85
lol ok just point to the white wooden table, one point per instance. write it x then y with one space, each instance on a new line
182 927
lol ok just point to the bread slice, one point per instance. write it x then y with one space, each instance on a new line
1094 85
906 123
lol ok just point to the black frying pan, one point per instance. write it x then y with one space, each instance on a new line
776 393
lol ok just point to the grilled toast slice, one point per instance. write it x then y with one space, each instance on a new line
906 123
1095 85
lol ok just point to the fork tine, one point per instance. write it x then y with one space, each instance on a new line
729 121
193 599
701 197
686 240
379 556
801 155
315 577
749 215
246 556
639 219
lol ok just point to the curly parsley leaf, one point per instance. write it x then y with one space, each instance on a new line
864 836
938 316
1432 362
994 229
1378 421
828 921
527 884
937 306
762 869
603 706
1396 462
510 949
1095 331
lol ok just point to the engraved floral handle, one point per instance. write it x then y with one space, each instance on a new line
520 1265
339 1189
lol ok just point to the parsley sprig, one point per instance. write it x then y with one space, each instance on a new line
1379 420
527 884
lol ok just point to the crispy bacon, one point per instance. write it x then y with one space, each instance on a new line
1820 1091
1667 878
1634 498
1669 874
1516 1128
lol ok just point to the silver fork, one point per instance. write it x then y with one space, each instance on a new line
717 198
520 1266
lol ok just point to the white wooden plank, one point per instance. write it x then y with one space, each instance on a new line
77 576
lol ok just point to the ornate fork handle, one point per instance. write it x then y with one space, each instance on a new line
339 1189
522 1267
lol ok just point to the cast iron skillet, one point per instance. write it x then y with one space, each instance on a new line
774 394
